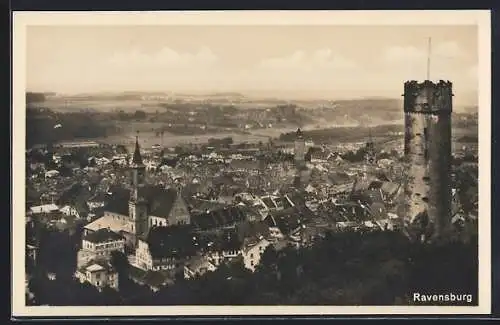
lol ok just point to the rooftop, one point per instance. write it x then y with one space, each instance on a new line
110 222
95 268
103 235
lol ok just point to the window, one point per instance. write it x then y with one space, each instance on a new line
426 153
97 283
251 256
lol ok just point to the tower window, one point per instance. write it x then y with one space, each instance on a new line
426 151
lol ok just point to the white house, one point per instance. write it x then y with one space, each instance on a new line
198 266
51 174
145 260
70 211
46 208
253 252
98 274
99 245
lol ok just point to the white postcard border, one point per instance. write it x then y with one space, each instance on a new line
21 20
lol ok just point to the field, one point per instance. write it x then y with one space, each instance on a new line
148 139
127 105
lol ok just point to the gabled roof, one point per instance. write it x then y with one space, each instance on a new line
286 220
173 241
97 265
95 268
351 211
390 188
197 263
115 224
75 193
117 201
102 236
338 178
252 229
219 217
228 241
160 200
205 205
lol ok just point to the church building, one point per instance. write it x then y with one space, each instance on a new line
146 207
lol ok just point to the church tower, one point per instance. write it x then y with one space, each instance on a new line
370 155
299 149
138 203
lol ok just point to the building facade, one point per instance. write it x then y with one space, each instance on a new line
98 274
427 109
99 245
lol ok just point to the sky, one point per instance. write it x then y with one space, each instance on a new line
329 62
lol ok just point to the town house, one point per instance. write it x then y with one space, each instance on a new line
165 248
99 274
99 245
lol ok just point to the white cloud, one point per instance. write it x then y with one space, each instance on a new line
403 53
311 62
448 49
165 57
443 50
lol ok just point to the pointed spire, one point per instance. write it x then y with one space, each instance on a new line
299 133
137 158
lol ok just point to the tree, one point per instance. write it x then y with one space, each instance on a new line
139 115
120 262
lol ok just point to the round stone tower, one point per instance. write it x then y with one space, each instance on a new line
427 109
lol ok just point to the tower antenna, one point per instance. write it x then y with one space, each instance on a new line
429 59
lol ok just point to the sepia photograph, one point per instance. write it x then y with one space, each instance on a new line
251 163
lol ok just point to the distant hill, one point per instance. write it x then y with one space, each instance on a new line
226 94
364 111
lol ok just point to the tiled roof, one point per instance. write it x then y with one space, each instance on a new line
174 241
198 263
268 202
286 220
97 265
95 268
205 205
102 236
352 211
160 200
225 241
76 193
218 218
117 201
115 224
252 229
390 188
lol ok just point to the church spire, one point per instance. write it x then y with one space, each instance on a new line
299 134
137 158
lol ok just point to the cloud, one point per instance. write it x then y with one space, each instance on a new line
165 57
443 50
403 53
448 50
312 62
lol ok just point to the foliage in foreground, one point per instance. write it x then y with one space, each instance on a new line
379 268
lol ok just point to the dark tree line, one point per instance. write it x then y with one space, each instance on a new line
41 127
376 268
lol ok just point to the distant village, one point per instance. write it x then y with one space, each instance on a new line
175 212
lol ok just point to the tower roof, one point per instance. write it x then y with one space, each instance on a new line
137 158
299 133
